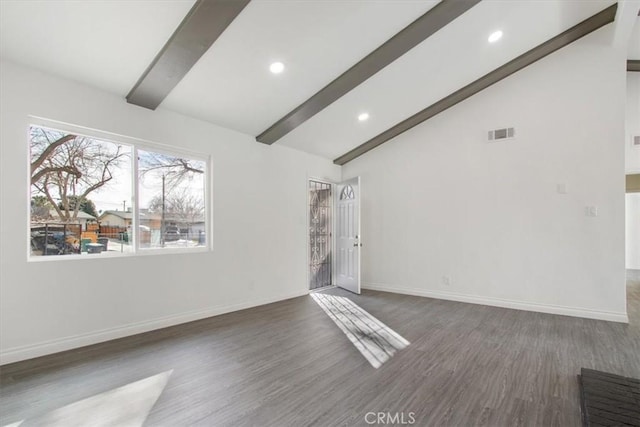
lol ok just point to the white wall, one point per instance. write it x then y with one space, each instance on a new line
632 165
440 201
633 231
632 123
259 228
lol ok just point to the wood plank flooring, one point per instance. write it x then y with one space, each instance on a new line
375 340
287 364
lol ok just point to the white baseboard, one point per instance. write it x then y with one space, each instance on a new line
17 354
499 302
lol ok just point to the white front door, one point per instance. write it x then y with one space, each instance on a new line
348 239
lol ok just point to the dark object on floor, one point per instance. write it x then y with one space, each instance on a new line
608 399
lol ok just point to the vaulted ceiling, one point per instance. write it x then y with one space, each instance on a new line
109 44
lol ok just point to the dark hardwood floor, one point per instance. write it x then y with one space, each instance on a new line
287 364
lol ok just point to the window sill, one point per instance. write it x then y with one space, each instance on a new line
117 254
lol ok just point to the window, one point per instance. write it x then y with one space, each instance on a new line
82 198
171 208
347 193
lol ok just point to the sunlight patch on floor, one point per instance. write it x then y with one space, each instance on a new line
128 406
375 340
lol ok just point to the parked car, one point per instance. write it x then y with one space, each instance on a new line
171 233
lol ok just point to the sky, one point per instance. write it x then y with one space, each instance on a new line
117 193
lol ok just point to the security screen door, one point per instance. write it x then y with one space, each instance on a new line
348 238
320 212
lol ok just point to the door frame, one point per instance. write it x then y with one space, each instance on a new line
333 230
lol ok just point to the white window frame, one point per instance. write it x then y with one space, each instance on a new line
135 144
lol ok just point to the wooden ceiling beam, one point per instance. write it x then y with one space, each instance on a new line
574 33
415 33
202 26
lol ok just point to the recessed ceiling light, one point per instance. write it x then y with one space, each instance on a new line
364 116
276 67
495 36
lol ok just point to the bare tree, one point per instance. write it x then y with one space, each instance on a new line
175 170
40 207
174 173
184 207
69 167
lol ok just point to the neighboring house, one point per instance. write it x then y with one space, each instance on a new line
149 219
153 220
83 218
116 218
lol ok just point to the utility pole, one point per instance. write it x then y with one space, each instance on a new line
124 205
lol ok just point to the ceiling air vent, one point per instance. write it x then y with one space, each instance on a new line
635 141
499 134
